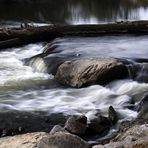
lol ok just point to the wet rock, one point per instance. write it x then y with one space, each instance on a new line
134 137
76 125
99 123
112 115
143 78
142 108
57 128
83 72
141 104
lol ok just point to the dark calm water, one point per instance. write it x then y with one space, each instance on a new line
72 11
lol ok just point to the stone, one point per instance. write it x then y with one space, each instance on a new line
84 72
30 140
98 146
44 140
63 140
57 128
76 125
99 124
112 115
134 137
142 108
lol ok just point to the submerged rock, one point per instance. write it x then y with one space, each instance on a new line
112 115
83 72
76 125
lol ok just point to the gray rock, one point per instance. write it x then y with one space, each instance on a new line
43 140
57 128
76 125
63 140
112 115
134 137
99 123
98 146
30 140
142 108
82 72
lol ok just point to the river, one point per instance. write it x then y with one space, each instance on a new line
29 88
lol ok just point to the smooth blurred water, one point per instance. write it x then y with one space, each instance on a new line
71 11
114 46
24 89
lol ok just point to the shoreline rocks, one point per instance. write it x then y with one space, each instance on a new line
134 137
84 72
56 139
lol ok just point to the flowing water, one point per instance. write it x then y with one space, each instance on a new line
71 11
29 88
23 88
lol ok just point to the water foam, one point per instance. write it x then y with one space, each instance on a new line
70 101
13 73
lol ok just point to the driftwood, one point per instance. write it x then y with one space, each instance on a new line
10 37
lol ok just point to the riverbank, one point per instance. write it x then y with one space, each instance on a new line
135 136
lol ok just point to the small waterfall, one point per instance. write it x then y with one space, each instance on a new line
138 71
38 65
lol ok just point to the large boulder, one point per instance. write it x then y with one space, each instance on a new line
83 72
44 140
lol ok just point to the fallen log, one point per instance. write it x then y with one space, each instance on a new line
10 37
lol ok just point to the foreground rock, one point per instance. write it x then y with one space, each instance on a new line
83 72
98 124
44 140
30 140
76 125
135 137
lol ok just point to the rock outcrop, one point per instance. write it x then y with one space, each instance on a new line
135 137
83 72
44 140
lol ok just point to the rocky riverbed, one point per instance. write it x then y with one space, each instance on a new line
78 129
89 100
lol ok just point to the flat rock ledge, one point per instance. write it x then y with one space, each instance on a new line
84 72
134 137
44 140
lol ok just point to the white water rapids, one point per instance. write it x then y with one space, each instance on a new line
23 89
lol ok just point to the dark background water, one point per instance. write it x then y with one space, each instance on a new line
72 11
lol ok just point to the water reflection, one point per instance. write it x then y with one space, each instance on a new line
72 11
